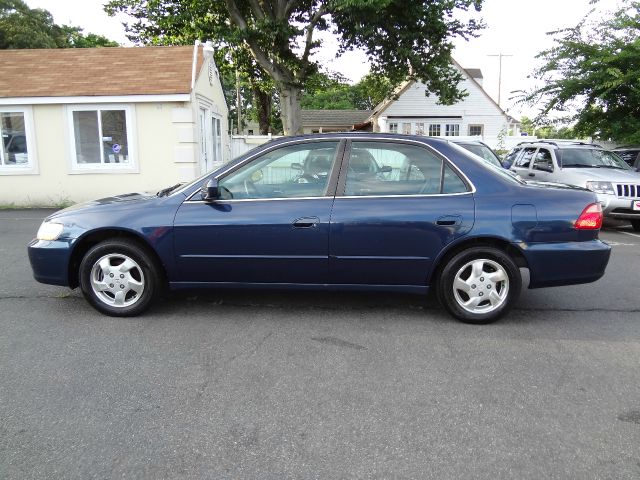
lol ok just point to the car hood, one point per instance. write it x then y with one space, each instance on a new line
125 200
561 186
605 174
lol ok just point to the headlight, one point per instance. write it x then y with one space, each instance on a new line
49 231
601 187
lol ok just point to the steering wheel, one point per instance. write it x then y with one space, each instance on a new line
307 178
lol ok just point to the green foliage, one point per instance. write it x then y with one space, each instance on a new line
594 69
333 92
397 36
23 27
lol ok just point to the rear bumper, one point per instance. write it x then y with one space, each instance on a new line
50 261
566 263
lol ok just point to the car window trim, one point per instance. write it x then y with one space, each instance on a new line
342 181
331 184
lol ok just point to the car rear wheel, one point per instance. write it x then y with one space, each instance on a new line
479 285
119 278
636 225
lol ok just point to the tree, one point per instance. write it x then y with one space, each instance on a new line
590 76
397 36
23 27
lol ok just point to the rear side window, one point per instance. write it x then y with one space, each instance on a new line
525 160
386 168
543 161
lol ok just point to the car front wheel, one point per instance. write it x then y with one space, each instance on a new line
479 285
119 278
636 225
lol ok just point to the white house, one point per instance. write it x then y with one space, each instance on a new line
79 124
414 110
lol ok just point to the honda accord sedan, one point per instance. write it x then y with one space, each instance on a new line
348 211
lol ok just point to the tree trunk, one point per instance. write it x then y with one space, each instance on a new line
291 111
264 103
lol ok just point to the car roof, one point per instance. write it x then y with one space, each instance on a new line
559 145
433 141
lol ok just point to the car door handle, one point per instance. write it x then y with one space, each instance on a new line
448 220
532 174
306 222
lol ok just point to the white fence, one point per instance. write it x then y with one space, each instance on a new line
241 144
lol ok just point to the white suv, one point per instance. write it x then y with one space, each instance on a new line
585 165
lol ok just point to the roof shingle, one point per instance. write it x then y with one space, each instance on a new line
334 118
96 71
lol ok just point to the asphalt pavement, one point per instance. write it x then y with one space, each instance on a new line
271 385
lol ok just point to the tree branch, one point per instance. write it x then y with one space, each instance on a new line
256 9
313 21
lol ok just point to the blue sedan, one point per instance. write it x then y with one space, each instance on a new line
343 211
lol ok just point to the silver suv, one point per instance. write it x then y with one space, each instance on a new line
585 165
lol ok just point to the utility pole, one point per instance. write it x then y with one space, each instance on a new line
238 103
499 55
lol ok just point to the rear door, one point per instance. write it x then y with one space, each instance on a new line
388 226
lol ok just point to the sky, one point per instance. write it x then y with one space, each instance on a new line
514 27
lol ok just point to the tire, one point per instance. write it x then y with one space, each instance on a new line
479 285
119 278
636 225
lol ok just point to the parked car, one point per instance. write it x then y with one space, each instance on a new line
630 154
481 149
585 165
438 218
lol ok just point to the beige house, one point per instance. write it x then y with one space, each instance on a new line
80 124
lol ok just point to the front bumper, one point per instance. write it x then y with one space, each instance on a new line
565 263
50 260
616 207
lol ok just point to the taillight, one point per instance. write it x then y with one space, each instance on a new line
590 218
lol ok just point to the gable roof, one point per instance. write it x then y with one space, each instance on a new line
96 71
334 118
403 87
474 72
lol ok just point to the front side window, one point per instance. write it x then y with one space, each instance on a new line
14 151
380 168
289 172
101 137
452 130
434 130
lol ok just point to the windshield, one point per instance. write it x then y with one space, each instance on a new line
483 152
590 158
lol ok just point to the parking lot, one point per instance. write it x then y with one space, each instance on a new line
318 385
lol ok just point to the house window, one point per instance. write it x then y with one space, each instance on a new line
406 128
434 130
393 127
476 130
315 130
16 152
419 128
452 130
101 138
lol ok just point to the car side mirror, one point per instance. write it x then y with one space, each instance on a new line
296 166
385 169
506 164
210 191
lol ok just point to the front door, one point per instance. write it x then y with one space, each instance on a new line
401 205
270 225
